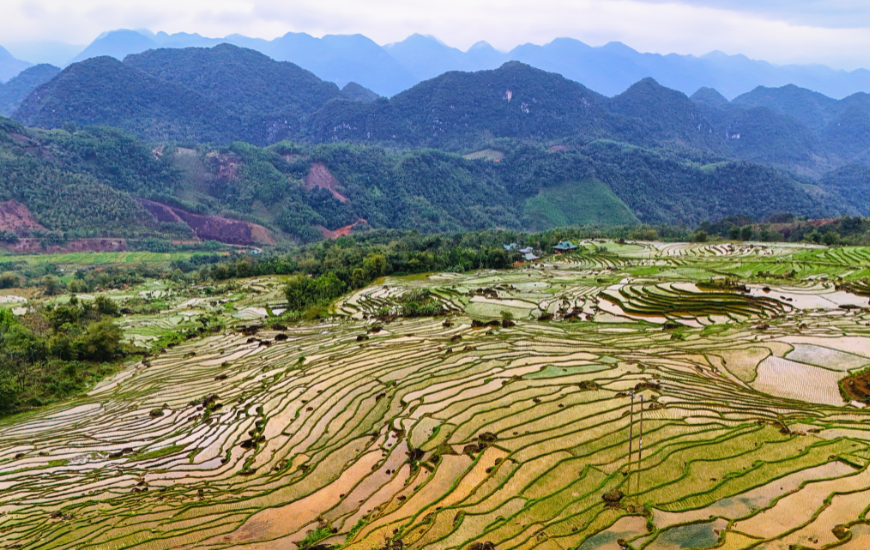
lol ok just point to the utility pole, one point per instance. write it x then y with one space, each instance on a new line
640 444
630 430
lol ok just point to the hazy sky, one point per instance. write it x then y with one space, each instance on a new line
833 32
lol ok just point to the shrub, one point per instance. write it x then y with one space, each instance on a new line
9 280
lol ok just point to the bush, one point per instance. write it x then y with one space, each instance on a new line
106 306
52 286
100 342
8 237
830 238
700 236
9 280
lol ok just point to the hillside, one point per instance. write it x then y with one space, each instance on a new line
220 94
270 96
853 182
14 92
650 114
94 182
791 127
104 91
226 93
457 110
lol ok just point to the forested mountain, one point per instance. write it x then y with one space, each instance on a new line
853 182
86 183
609 69
269 97
356 92
456 110
17 89
791 127
226 93
220 94
227 132
78 185
104 91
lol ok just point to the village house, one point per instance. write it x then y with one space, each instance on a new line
563 247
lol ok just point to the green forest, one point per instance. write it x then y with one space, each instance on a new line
84 182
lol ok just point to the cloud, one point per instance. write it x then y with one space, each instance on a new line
833 32
823 13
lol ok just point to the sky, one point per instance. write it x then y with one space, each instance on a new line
830 32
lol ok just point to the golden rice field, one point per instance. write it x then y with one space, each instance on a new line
434 433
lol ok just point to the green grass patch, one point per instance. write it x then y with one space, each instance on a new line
587 202
161 452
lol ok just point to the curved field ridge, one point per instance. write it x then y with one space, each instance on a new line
444 435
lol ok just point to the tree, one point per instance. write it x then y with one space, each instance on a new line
746 233
76 286
328 287
9 280
52 286
243 268
830 238
358 278
100 342
497 258
106 306
297 292
734 233
375 265
700 236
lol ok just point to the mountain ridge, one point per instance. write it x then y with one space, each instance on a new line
609 69
251 97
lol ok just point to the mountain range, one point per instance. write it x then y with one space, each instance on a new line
227 143
227 93
387 70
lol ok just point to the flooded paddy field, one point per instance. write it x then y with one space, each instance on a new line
658 396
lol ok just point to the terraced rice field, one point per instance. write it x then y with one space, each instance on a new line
98 258
441 433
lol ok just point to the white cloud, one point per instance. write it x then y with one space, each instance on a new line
765 31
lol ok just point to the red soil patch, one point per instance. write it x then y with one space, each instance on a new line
161 212
342 231
15 217
821 222
33 246
320 176
791 226
211 228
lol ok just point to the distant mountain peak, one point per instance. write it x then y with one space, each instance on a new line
609 69
709 97
356 92
9 65
618 48
118 44
647 83
481 45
